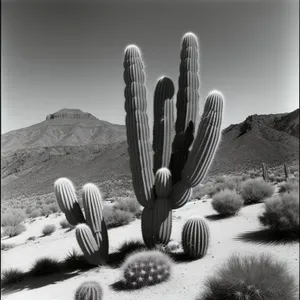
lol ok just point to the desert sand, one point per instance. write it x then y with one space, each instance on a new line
241 234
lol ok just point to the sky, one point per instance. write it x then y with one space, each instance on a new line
69 54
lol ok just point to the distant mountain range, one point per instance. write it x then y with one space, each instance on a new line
77 145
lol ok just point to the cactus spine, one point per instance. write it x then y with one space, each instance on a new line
195 237
89 290
177 147
91 233
265 172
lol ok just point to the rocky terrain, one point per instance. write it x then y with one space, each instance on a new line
77 145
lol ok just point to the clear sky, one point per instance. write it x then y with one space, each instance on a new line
69 54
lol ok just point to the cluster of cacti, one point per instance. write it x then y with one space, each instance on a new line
195 237
286 172
89 290
265 174
91 231
146 268
181 156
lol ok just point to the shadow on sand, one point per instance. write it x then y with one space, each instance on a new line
266 236
217 217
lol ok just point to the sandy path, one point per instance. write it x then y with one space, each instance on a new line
187 278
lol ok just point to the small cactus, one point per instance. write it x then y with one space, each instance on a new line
146 268
89 290
195 237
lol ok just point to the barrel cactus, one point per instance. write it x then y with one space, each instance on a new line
91 230
146 268
163 177
195 237
89 290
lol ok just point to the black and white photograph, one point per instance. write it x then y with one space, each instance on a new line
149 149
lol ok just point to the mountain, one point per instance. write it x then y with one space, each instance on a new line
77 145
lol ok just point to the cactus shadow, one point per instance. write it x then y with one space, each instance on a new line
217 217
267 236
117 258
30 283
180 257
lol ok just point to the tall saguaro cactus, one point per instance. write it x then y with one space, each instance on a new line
182 156
265 172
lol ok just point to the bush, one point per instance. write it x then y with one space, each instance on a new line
115 217
255 190
11 276
251 277
45 266
65 224
128 204
48 209
48 229
227 202
35 213
76 261
288 186
12 222
146 268
282 213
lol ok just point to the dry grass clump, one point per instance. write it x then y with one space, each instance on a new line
48 229
227 202
12 222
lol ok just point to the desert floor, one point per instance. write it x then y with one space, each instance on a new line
241 235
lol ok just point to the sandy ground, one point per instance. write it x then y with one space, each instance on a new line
241 234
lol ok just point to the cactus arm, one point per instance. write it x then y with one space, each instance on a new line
67 201
137 127
203 151
163 123
187 104
93 207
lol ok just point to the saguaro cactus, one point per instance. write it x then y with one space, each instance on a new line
91 233
265 172
182 156
286 172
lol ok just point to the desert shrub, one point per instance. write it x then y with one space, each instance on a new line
282 213
115 217
146 268
202 190
35 213
12 222
65 224
288 186
31 238
89 290
76 261
251 277
255 190
128 247
48 209
128 204
227 202
11 276
5 247
45 266
48 229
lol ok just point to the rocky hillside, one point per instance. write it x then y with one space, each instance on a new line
77 145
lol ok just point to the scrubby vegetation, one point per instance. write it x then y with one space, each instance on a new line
288 186
255 190
65 224
48 229
5 247
227 202
11 276
251 277
45 266
282 213
12 222
146 268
